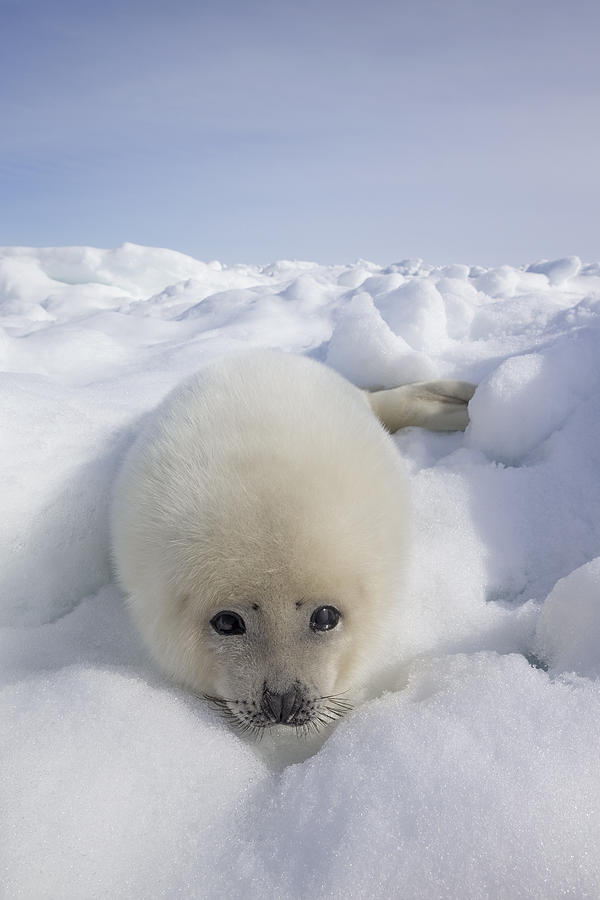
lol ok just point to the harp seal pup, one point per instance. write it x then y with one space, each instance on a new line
258 527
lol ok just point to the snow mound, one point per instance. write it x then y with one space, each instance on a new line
364 349
568 630
557 270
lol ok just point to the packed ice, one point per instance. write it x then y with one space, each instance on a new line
473 770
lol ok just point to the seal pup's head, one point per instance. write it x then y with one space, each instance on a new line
278 631
276 611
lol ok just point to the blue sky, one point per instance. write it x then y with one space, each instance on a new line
461 131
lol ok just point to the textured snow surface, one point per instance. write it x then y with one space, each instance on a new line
474 773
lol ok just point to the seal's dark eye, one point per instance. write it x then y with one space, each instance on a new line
324 618
227 622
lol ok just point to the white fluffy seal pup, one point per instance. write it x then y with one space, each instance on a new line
258 527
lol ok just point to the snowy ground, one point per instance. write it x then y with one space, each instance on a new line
477 774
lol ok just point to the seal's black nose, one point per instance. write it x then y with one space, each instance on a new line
281 707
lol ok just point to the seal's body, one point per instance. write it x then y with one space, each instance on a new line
258 528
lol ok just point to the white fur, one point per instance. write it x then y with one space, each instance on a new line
263 480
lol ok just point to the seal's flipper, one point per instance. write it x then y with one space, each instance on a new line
436 405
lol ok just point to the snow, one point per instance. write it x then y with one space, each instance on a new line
568 629
473 770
